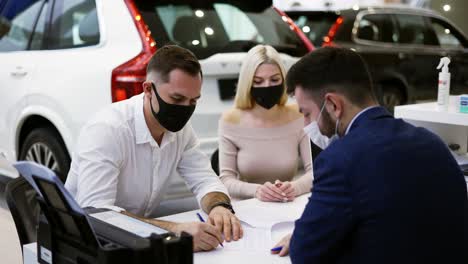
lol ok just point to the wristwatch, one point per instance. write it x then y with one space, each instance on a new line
225 205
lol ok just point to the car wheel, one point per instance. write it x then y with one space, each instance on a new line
45 146
391 97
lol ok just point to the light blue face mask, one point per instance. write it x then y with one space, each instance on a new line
313 131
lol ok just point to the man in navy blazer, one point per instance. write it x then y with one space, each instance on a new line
384 191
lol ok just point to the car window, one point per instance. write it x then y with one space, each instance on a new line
377 27
17 24
38 34
315 25
207 28
231 17
413 29
74 24
446 34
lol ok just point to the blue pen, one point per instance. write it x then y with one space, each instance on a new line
203 220
277 249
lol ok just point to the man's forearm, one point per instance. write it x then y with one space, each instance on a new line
166 225
212 198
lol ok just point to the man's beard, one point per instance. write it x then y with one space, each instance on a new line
327 125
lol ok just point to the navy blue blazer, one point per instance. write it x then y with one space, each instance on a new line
387 192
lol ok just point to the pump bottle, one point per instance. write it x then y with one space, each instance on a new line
444 84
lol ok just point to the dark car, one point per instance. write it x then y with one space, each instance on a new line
402 47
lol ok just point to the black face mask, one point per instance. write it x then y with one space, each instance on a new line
267 97
172 117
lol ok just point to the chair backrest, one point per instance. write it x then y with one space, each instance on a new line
215 162
315 150
186 30
21 200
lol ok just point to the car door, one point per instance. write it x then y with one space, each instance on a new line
374 38
69 70
18 22
453 44
419 55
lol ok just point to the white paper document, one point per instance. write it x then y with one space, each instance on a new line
128 223
219 257
254 239
271 213
254 247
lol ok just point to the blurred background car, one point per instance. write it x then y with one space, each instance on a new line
402 46
61 61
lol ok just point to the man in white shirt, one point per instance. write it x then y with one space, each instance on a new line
126 155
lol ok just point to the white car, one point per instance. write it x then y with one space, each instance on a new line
63 60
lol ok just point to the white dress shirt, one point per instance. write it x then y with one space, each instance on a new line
118 163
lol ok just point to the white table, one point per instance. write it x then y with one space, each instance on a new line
449 125
256 217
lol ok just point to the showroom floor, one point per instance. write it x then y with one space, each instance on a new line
10 250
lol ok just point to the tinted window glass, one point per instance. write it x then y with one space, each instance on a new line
315 25
377 27
414 30
211 27
38 35
75 24
446 34
17 24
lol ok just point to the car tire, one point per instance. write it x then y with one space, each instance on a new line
45 146
391 96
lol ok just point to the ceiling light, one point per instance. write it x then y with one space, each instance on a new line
209 31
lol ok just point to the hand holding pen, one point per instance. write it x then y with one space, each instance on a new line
203 221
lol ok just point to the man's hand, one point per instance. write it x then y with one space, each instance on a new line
269 192
205 236
284 243
287 188
226 222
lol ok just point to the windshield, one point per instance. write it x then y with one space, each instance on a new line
315 25
219 27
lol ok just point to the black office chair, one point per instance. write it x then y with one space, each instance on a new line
315 150
215 162
21 199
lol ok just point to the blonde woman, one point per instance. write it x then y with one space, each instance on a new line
261 139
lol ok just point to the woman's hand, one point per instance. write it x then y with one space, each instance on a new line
268 192
287 188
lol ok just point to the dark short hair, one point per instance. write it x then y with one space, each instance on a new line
171 57
332 69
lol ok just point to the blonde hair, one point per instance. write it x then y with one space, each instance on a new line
260 54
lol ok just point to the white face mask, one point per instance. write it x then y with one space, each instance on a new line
313 131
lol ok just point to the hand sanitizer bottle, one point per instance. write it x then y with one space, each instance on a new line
444 85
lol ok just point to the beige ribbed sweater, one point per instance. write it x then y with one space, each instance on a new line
249 157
